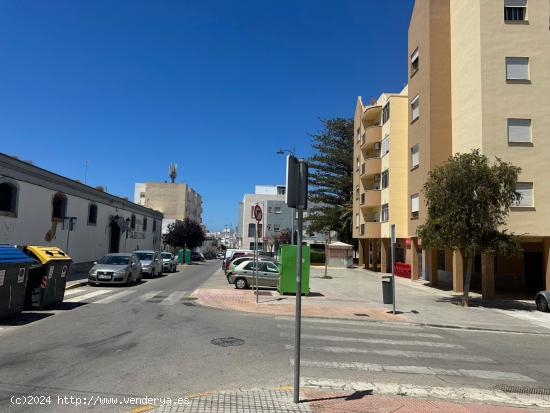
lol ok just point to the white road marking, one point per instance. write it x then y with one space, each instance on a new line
173 298
372 331
432 371
447 393
114 297
85 297
397 353
366 324
75 291
376 341
145 297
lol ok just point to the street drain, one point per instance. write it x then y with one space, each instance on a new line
227 342
523 390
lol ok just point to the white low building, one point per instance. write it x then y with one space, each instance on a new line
38 207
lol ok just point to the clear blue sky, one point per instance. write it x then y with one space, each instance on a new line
215 86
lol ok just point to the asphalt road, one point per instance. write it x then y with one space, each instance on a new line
152 340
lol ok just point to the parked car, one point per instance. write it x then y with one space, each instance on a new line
169 261
236 261
243 275
220 255
151 262
542 299
197 256
116 269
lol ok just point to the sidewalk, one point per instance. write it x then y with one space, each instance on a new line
357 294
323 401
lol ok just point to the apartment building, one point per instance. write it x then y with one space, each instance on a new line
380 178
479 78
176 201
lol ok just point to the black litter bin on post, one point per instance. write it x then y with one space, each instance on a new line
387 289
46 285
14 270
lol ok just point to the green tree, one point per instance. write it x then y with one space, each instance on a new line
331 178
186 233
468 200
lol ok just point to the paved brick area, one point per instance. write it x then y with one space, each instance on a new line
316 401
245 300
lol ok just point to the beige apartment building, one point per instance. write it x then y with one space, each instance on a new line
478 77
177 201
380 178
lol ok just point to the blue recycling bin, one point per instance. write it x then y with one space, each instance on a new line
14 273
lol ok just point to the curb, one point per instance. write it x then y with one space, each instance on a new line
76 285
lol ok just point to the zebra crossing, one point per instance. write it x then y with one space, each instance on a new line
336 351
127 296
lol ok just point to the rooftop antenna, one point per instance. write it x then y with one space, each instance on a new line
173 171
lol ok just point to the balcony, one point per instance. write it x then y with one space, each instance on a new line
371 166
371 136
370 230
371 114
371 198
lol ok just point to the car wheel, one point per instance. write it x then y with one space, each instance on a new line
129 280
140 278
241 284
152 273
542 304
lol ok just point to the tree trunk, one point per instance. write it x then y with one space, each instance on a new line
470 267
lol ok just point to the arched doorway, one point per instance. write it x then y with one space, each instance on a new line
114 240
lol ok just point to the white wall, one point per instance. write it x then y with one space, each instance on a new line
87 242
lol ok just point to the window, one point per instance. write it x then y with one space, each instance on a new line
59 206
385 145
358 163
525 189
415 206
386 113
133 222
357 192
519 130
515 10
517 68
276 227
281 190
251 230
414 62
385 216
415 158
385 178
415 108
144 223
269 210
92 214
8 199
154 225
272 267
277 210
357 220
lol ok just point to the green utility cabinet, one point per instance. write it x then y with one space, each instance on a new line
187 256
287 268
180 255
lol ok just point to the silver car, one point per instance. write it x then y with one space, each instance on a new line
243 275
115 269
151 262
169 261
542 299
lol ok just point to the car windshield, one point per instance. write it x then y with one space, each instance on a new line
114 260
145 256
166 255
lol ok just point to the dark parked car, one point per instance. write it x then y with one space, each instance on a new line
197 256
542 299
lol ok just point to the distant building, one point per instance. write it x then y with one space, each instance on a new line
39 207
175 201
277 217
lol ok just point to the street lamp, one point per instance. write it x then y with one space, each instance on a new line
293 153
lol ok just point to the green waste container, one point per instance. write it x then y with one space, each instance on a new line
14 271
180 255
46 285
387 289
187 256
287 268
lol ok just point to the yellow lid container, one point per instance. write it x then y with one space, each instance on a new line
46 254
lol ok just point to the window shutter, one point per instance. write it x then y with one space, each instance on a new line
526 191
415 159
414 56
519 130
415 106
515 3
517 68
415 206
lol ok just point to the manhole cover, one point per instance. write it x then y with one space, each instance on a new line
227 341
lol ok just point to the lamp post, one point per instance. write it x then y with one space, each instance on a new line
293 211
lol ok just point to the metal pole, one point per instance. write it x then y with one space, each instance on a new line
393 265
292 226
297 331
256 260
